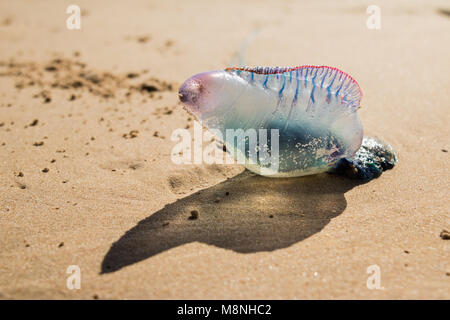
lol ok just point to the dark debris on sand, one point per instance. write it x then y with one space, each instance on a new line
445 235
369 162
130 135
194 215
68 74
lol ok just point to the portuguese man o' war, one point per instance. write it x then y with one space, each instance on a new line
313 108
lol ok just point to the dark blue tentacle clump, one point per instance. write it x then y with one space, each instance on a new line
369 162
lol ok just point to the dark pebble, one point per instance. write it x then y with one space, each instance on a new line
194 215
445 235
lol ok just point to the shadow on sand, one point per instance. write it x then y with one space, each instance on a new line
258 214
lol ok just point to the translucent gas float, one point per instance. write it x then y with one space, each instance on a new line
313 110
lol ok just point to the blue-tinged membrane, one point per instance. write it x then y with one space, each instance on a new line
301 147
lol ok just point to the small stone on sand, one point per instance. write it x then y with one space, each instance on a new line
445 235
194 215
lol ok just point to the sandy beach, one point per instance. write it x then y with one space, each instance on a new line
86 118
